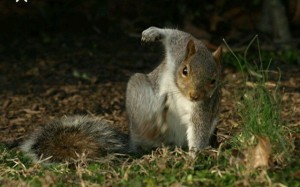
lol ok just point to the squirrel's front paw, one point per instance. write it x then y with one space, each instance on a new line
152 34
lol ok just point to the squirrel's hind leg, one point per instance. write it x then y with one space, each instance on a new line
146 113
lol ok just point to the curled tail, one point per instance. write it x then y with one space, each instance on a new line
68 137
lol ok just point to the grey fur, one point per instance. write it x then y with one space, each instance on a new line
147 103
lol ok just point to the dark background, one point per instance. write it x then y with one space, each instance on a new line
63 57
236 21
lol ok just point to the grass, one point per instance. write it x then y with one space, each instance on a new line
162 168
258 107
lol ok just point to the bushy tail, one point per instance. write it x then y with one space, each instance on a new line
66 138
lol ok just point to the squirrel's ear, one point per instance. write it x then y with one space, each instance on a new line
217 54
190 48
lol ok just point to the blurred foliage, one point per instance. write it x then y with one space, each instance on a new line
213 20
51 14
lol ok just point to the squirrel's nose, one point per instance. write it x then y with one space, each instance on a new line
194 95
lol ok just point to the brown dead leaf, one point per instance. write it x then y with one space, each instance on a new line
6 103
50 92
33 71
233 124
17 121
251 84
293 82
285 97
226 92
29 111
259 155
270 84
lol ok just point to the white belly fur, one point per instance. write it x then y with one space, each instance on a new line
179 112
178 119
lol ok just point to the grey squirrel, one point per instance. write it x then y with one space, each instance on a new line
176 104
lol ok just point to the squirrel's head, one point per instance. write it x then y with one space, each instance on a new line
198 76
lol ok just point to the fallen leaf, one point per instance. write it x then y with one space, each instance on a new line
17 121
270 84
233 123
29 111
6 103
259 155
292 82
251 84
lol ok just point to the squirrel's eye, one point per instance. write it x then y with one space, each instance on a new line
185 71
